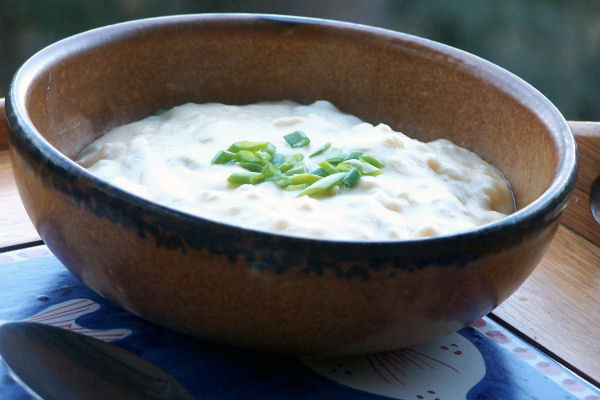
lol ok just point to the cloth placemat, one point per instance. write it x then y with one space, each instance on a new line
482 361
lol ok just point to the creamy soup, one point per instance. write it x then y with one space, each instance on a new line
423 190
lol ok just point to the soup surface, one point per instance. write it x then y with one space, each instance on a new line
424 189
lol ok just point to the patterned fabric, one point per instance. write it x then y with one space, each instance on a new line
483 361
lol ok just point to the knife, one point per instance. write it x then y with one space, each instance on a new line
55 363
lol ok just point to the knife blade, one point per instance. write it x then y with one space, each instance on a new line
58 364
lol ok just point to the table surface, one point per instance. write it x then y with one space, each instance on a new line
556 310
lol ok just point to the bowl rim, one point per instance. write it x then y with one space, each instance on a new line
543 210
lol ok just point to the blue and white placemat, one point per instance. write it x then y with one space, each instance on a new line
482 361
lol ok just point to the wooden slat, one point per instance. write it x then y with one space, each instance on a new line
559 305
15 227
3 127
578 215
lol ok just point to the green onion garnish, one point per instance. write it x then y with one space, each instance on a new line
328 168
270 149
370 170
321 150
272 174
306 179
353 155
372 160
290 162
277 160
242 177
262 163
298 168
250 166
319 171
351 178
159 111
343 167
223 157
249 146
321 186
294 187
297 139
246 156
280 180
364 167
336 157
263 157
269 170
335 189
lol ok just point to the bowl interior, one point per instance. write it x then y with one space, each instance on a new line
79 88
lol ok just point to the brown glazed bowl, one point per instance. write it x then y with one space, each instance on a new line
266 291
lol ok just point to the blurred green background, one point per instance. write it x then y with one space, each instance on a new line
552 44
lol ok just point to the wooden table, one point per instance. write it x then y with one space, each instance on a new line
557 309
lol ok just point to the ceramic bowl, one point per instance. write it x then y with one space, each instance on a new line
267 291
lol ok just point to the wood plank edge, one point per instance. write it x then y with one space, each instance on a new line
3 127
530 330
578 215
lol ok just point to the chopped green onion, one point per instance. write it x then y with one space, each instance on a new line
335 157
335 189
320 172
270 149
223 157
343 167
308 179
372 160
272 174
295 187
351 178
322 185
263 163
353 155
159 111
263 157
321 149
297 139
243 177
282 181
269 170
328 168
246 156
298 168
250 166
290 162
277 160
249 146
363 167
354 163
370 170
